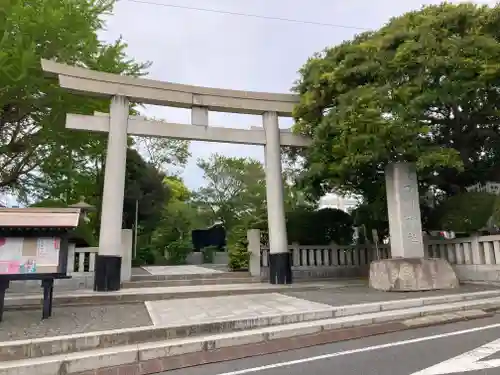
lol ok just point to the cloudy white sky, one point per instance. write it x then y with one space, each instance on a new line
235 52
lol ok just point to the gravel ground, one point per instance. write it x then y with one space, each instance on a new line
139 271
362 294
26 324
218 267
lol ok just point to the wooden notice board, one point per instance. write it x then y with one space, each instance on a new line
29 255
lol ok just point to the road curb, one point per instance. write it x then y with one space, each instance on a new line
207 356
151 358
139 295
415 311
447 318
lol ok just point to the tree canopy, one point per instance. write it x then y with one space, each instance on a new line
235 190
143 184
35 148
234 187
319 227
42 161
465 212
421 89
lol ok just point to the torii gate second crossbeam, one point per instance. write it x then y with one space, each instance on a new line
401 181
200 100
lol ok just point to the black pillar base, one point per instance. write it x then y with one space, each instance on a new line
4 285
107 275
48 292
280 268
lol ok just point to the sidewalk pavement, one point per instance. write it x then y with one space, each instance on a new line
26 323
160 335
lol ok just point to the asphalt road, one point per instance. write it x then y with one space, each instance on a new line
412 352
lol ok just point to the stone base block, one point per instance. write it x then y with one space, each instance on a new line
107 275
412 274
280 268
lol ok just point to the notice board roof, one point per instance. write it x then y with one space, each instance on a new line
39 217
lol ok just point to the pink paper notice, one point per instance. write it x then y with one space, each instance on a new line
9 267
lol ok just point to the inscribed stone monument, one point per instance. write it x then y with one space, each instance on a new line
408 269
404 211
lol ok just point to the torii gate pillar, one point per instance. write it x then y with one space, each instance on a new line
108 264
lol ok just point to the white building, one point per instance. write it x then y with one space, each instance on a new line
3 200
489 187
332 200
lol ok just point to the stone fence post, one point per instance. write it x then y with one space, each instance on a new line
336 255
253 237
296 254
71 259
126 243
477 254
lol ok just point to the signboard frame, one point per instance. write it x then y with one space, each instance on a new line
33 233
47 279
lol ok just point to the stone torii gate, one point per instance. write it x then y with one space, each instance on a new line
402 188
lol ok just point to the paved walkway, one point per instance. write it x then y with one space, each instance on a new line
22 324
180 270
209 309
355 294
184 289
27 324
212 309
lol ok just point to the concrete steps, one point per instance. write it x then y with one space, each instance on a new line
153 349
153 283
135 295
192 276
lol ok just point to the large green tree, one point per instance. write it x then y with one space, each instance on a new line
423 89
36 151
179 214
166 154
234 188
144 190
144 194
466 213
172 235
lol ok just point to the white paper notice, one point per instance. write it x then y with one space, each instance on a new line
47 251
11 249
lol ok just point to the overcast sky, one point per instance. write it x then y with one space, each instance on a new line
234 52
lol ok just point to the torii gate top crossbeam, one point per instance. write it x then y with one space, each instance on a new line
149 91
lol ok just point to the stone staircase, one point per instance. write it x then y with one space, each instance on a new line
220 278
139 295
161 347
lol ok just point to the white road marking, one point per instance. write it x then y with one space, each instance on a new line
469 361
359 350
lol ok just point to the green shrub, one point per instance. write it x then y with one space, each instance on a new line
319 227
311 227
465 212
136 262
238 249
177 251
238 258
496 212
145 256
84 231
208 254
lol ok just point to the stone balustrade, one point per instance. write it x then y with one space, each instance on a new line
477 250
474 258
330 256
81 260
